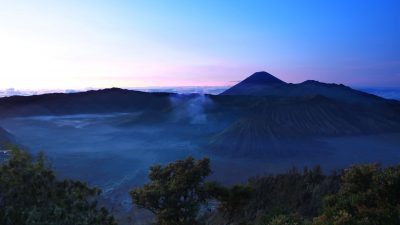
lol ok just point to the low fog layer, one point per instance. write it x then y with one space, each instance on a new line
106 151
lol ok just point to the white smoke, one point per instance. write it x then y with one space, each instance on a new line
190 106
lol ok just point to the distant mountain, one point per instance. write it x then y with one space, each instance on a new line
99 101
260 83
265 84
283 116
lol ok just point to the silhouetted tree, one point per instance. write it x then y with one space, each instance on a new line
175 191
232 200
293 192
369 195
281 219
30 194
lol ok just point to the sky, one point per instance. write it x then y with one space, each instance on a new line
75 44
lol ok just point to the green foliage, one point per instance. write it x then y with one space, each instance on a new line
175 191
293 192
30 194
280 219
232 200
369 195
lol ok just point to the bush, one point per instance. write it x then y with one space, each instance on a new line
30 194
369 195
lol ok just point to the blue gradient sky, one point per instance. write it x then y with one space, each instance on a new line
82 43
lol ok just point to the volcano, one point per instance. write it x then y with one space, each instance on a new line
265 84
260 83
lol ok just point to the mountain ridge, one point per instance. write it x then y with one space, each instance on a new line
269 85
262 77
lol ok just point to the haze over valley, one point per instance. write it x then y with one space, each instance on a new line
109 138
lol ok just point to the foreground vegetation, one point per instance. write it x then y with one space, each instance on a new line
30 194
180 194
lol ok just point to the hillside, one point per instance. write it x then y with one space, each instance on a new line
277 126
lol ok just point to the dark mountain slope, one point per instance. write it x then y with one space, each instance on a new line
335 91
262 77
281 116
260 83
275 126
101 101
264 84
